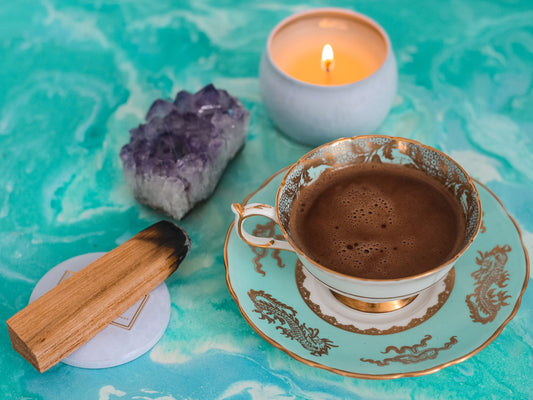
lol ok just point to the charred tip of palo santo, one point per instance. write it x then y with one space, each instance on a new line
178 238
69 315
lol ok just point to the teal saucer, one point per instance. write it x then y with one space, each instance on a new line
458 319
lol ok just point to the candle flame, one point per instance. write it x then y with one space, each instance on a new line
327 57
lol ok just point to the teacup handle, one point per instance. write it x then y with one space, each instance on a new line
242 212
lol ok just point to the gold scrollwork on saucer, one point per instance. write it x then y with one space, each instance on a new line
272 310
412 354
487 299
267 230
442 297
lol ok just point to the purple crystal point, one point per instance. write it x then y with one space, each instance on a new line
177 158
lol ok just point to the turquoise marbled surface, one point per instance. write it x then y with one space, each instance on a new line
76 76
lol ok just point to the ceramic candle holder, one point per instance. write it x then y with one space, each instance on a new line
313 104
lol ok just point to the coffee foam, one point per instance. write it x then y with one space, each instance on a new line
367 224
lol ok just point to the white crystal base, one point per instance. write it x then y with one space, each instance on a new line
129 336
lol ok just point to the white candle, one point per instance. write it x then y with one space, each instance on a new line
358 47
315 98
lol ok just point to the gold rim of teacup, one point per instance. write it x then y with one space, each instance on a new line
355 278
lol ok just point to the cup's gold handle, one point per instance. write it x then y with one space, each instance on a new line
242 212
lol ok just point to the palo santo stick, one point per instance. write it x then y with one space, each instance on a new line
66 317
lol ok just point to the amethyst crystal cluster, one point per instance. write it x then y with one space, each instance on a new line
176 159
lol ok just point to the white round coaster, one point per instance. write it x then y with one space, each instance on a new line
129 336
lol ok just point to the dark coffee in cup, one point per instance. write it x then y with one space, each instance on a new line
377 221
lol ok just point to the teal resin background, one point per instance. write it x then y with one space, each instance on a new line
76 76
